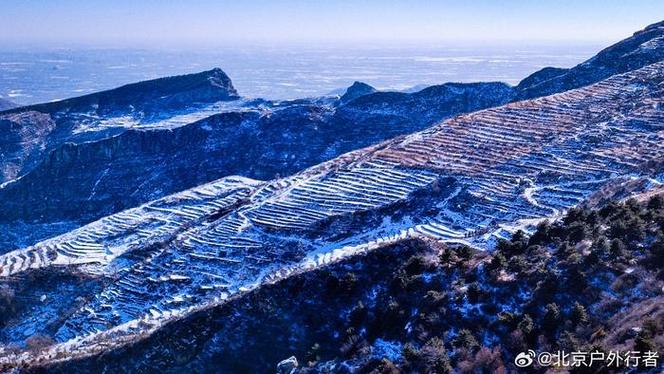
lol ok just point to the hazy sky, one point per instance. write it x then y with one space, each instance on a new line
207 22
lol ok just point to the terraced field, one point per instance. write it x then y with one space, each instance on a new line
469 179
99 243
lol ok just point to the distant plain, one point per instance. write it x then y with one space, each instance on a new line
30 75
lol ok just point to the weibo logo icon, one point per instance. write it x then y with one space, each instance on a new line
524 359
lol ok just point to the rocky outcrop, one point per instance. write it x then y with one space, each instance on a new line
287 366
23 136
151 97
356 90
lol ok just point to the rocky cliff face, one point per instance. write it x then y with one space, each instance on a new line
23 136
31 133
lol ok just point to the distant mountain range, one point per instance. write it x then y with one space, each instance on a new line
206 196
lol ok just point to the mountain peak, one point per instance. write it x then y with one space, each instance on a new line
356 90
154 95
214 80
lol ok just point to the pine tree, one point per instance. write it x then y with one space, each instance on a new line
551 319
579 314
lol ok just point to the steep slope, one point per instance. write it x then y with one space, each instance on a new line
470 179
643 48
